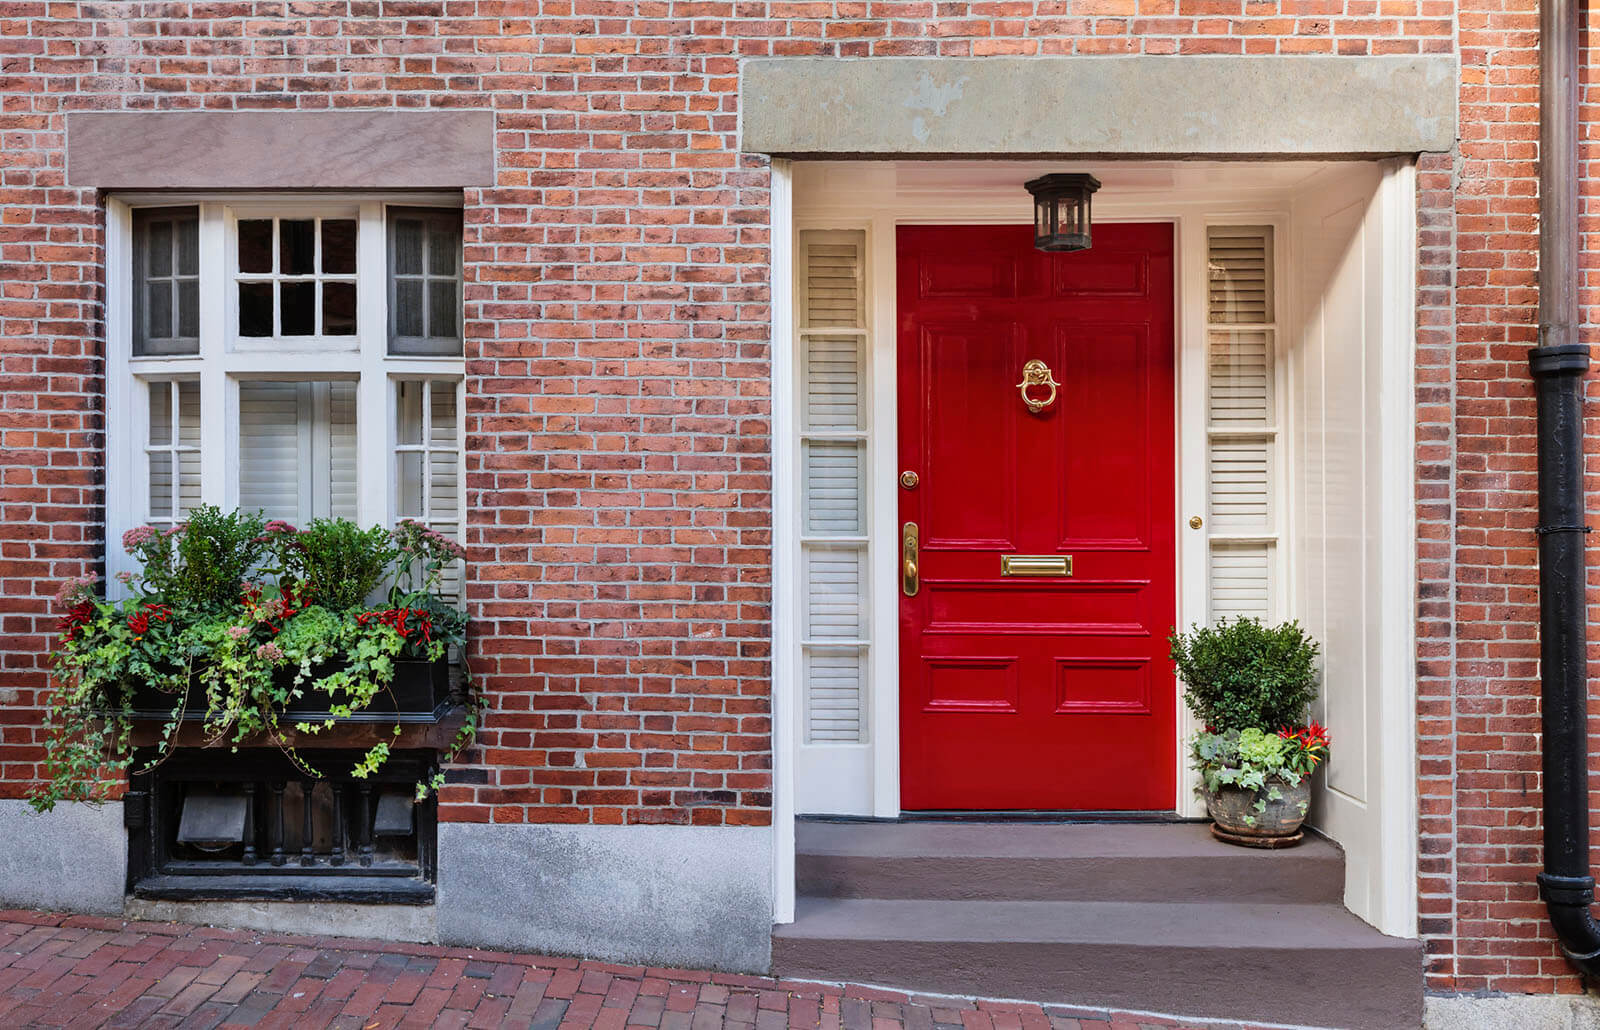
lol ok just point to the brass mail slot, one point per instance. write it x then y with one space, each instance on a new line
1036 565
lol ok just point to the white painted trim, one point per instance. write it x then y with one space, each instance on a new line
375 437
1397 541
883 506
1194 546
121 417
785 545
224 360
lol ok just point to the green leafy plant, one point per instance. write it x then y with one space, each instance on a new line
198 564
1258 760
333 560
1240 674
291 621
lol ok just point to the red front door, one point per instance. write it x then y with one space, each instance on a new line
1041 689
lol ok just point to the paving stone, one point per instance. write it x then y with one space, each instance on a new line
86 972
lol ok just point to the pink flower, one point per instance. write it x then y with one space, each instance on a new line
138 535
280 526
78 588
237 631
270 652
179 528
125 578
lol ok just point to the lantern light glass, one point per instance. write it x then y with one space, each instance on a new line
1062 213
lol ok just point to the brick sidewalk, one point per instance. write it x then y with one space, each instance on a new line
83 971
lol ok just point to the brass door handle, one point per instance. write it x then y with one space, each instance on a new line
909 560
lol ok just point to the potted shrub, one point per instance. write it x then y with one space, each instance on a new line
1252 687
258 631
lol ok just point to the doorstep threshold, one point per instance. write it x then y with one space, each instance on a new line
1009 816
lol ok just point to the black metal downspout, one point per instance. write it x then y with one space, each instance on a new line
1559 365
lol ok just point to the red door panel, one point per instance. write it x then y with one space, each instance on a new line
1055 692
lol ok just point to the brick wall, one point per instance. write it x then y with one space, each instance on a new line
618 374
1480 800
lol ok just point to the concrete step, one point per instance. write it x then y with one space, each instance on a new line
1309 964
1168 862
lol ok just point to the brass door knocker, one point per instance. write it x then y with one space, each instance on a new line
1037 373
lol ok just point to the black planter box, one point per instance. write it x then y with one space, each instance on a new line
420 692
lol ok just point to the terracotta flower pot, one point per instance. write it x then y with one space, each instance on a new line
1256 816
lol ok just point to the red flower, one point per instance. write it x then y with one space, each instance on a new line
76 618
397 620
139 622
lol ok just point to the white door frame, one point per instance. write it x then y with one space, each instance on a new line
875 197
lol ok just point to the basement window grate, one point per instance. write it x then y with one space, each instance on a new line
213 825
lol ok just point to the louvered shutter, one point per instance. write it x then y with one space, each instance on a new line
1239 266
172 449
1242 430
832 364
297 449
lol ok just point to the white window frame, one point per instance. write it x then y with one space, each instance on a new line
224 359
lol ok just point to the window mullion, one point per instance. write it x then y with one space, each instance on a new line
425 508
219 429
375 412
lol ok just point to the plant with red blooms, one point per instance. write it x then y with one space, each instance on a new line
1307 747
400 620
77 617
248 617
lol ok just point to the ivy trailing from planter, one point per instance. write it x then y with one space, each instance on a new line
234 621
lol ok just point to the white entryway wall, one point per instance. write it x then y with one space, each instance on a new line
1278 546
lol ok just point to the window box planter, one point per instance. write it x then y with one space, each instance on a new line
247 633
421 692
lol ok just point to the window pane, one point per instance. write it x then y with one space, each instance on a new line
342 449
297 246
339 246
444 454
189 414
442 308
833 378
158 308
297 448
188 230
836 607
160 414
255 245
408 484
255 309
189 307
408 412
835 685
408 307
408 246
299 302
160 249
166 310
443 243
161 484
833 487
269 448
339 309
188 482
442 401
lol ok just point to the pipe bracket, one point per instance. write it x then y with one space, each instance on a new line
1577 891
1566 357
1547 530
